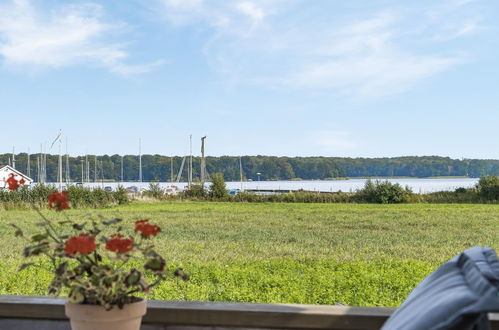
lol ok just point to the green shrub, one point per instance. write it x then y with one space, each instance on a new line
488 187
121 195
154 191
246 196
217 188
468 196
196 191
382 192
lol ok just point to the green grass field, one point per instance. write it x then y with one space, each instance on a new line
355 254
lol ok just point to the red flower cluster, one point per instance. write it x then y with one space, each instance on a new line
147 230
119 244
59 200
12 182
83 244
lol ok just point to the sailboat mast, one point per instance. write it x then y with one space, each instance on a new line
45 165
38 168
87 173
102 173
171 169
67 163
40 165
140 160
28 166
60 165
241 172
190 161
203 164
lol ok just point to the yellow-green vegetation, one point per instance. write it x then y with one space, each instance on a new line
354 254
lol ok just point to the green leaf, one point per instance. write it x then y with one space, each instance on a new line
35 250
75 296
25 265
180 273
79 227
155 264
133 278
112 221
61 269
55 287
18 231
39 237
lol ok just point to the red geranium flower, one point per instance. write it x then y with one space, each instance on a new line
83 244
12 182
22 181
59 200
147 230
119 244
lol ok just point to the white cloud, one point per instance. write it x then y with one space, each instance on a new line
224 16
463 2
251 10
366 56
65 36
332 140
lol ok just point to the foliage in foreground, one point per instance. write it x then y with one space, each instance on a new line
355 254
356 283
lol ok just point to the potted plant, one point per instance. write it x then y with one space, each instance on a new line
95 269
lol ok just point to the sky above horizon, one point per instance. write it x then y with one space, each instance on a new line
372 78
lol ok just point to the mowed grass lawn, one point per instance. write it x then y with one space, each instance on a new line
354 254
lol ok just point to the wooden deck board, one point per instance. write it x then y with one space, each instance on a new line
48 313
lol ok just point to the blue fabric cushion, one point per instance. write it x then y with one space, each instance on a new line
455 296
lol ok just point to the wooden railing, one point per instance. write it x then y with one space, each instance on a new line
44 313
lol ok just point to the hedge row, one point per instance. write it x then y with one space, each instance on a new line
80 197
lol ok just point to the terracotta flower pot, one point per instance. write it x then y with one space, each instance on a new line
93 317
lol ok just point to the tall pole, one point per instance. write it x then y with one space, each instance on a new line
38 169
140 160
45 165
203 164
87 173
67 163
190 161
95 168
82 171
102 173
241 172
28 167
40 165
171 169
14 157
60 165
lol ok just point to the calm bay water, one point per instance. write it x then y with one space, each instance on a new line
417 185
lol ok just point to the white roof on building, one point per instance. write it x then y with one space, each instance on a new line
5 170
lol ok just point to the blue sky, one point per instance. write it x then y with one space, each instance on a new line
370 78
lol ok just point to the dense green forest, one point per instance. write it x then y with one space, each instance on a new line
158 168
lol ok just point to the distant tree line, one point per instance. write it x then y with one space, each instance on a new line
158 168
